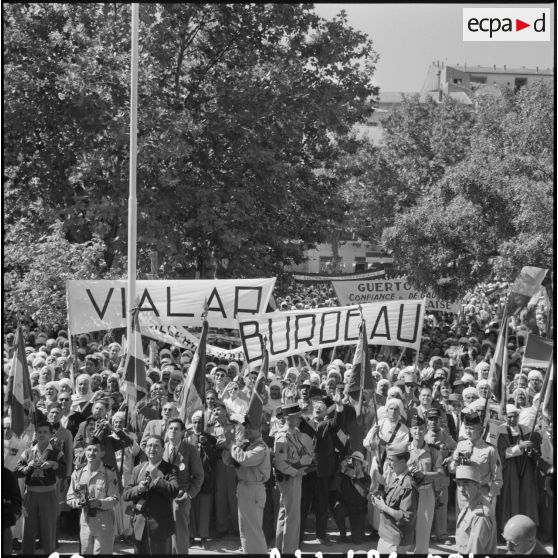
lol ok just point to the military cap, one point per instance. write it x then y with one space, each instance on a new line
395 450
433 414
455 397
468 472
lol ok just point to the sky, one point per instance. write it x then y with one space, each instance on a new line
410 36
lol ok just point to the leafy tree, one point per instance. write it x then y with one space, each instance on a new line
491 212
239 106
37 268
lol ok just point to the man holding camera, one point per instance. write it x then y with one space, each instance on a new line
40 465
154 486
94 490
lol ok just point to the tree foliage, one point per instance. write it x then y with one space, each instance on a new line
239 105
37 268
490 212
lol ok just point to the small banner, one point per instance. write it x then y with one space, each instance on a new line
310 278
360 292
397 323
96 305
538 352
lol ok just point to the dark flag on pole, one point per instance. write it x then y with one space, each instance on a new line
18 395
255 408
525 286
192 396
135 383
497 376
361 374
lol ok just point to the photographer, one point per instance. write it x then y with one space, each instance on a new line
94 490
351 485
153 487
40 465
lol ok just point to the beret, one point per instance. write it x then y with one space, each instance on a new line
471 419
417 420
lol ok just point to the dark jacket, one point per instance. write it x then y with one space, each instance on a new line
190 468
11 498
324 435
156 512
48 476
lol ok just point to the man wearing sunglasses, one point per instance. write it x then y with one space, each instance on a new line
520 534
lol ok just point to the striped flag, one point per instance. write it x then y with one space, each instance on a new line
361 374
135 384
255 408
18 395
525 286
497 376
192 396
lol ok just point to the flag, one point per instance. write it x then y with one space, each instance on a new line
548 401
497 376
18 395
538 352
192 396
255 408
525 286
361 374
135 384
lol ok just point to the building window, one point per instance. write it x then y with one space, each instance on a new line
457 81
478 79
360 267
325 264
520 82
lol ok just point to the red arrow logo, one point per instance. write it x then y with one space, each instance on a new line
519 25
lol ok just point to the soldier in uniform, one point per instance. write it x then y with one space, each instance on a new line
475 530
291 459
441 440
398 509
475 450
252 457
94 489
425 464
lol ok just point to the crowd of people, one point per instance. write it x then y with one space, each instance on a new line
425 457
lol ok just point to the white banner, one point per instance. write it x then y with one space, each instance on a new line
96 305
180 337
360 292
290 333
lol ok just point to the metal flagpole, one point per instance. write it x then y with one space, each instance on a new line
132 201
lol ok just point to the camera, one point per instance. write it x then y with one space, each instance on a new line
140 507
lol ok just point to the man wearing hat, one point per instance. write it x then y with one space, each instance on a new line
351 486
517 449
520 533
475 531
453 416
398 510
475 450
290 462
443 441
252 457
425 464
322 430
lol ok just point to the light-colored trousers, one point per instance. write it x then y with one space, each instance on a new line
226 505
288 521
251 503
425 516
96 534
